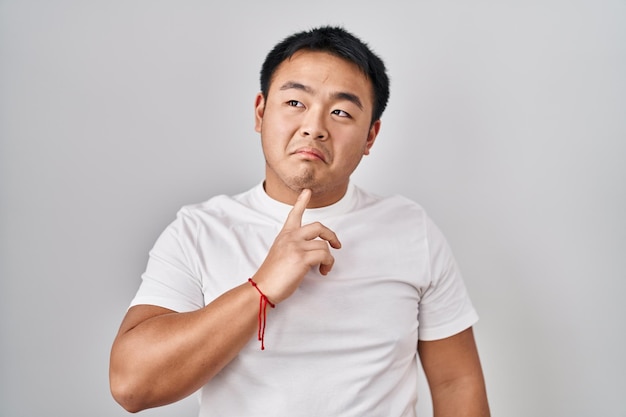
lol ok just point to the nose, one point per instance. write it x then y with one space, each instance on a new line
313 125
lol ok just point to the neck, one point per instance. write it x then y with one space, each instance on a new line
320 197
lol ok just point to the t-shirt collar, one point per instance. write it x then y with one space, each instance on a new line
279 210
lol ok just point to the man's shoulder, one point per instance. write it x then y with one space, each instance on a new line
222 208
391 202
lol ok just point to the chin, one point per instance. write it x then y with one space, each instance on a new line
306 179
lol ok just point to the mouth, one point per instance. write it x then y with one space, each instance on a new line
310 154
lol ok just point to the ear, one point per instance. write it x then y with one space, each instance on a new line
259 109
371 136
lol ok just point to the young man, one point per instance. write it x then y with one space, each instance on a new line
359 283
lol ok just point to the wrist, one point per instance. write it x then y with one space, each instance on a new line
263 303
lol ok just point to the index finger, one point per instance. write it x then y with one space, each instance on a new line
294 218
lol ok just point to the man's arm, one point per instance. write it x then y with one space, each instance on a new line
455 376
160 356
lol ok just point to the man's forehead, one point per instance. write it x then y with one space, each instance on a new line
299 72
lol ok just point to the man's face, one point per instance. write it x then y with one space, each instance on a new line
315 126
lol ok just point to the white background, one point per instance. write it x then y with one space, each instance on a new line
506 122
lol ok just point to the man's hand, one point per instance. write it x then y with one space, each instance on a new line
295 250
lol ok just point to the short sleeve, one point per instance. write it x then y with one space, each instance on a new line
445 307
171 279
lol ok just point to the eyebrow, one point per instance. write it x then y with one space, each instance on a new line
340 95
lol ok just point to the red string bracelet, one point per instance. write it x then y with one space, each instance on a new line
263 302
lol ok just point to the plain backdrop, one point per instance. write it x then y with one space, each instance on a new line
506 122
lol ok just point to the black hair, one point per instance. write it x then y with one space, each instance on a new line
336 41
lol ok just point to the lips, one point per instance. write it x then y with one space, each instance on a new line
311 153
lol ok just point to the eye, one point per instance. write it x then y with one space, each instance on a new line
340 113
294 103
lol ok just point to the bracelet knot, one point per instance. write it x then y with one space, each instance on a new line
263 302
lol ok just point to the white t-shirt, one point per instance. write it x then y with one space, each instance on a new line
343 344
